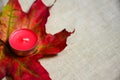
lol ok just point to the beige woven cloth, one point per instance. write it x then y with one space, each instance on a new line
93 51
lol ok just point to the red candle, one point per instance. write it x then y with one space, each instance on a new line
22 41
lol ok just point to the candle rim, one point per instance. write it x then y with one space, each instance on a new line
22 49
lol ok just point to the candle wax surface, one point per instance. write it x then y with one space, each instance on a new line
23 40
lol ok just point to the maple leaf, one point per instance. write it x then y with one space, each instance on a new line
15 67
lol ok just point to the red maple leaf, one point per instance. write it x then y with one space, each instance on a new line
15 67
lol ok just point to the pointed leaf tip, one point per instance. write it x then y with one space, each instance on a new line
53 44
52 4
15 4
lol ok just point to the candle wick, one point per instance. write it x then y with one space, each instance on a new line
26 40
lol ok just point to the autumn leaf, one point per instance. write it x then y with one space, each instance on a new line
15 67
